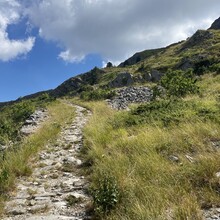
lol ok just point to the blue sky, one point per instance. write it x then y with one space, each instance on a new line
45 42
40 69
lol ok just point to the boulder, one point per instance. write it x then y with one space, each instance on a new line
185 64
147 77
155 76
121 80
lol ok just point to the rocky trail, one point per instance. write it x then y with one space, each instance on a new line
55 190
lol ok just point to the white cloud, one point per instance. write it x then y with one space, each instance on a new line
68 57
10 49
117 29
10 11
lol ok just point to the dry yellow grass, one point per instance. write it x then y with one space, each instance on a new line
151 185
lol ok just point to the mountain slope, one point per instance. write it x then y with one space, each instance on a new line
160 159
201 52
140 56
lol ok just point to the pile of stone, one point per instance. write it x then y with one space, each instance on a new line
34 121
130 95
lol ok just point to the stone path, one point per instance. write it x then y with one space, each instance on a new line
55 190
212 214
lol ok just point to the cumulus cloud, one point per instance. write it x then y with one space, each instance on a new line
67 56
116 29
10 11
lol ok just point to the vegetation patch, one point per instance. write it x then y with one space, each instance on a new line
13 116
179 83
106 194
134 149
97 94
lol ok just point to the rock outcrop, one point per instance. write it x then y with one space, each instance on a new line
71 85
216 24
197 39
137 57
130 95
155 75
121 80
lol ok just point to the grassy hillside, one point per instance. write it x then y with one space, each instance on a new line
201 50
13 115
199 53
159 160
140 56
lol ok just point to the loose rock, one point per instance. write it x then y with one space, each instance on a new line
130 95
34 122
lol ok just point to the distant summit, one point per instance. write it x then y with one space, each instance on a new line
216 24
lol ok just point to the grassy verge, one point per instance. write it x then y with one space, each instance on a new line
143 168
15 163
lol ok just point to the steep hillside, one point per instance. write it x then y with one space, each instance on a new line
200 53
215 25
140 56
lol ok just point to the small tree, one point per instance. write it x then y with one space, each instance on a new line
179 83
109 64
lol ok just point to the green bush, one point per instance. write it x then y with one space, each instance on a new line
22 110
98 94
167 112
215 68
179 83
105 195
12 118
202 67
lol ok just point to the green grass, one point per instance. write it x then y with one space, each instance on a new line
136 154
16 162
171 58
13 116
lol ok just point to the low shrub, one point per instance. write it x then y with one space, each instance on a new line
166 113
98 94
12 118
179 83
215 68
21 111
105 195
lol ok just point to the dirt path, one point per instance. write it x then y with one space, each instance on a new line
54 190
